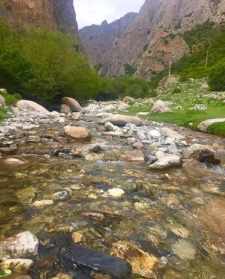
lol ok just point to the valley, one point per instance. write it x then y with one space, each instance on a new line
112 142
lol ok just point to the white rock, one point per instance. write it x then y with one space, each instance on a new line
43 203
13 162
22 245
116 192
161 106
165 161
30 106
204 126
122 120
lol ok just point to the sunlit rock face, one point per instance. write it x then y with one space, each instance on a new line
51 14
147 42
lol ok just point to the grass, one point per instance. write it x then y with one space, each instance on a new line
217 129
185 117
185 96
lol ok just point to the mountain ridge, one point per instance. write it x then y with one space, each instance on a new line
51 14
154 38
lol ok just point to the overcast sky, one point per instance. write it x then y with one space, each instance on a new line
95 11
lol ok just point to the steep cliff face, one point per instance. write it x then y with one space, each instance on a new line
98 40
51 14
154 38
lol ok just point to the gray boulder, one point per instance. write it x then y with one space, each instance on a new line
72 104
31 106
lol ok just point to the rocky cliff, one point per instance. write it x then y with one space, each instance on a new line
51 14
154 38
98 40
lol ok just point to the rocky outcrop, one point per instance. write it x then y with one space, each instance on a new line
98 40
51 14
153 39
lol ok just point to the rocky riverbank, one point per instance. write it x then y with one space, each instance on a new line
87 184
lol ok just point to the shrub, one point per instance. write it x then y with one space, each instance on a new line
217 77
44 66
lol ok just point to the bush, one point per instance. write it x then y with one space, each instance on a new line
217 77
120 87
44 66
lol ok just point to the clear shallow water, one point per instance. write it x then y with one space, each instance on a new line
161 212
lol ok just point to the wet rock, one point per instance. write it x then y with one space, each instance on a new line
43 203
78 256
116 192
13 162
202 153
142 263
179 230
122 120
22 245
72 104
62 276
212 217
78 133
77 236
76 115
184 250
61 196
26 195
133 156
96 275
204 126
25 105
17 265
65 109
174 135
161 106
165 161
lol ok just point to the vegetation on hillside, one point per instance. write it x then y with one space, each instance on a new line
45 66
206 59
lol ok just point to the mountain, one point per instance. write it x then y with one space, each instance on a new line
98 40
51 14
154 38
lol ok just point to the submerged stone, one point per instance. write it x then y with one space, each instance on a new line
142 263
78 256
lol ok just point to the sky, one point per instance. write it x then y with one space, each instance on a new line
96 11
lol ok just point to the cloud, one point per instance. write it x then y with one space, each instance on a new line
95 11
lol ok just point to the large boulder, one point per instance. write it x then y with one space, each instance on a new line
78 133
121 120
204 126
31 106
77 255
22 245
161 106
202 153
165 161
72 104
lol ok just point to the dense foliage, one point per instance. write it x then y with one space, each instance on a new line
120 87
217 77
44 65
